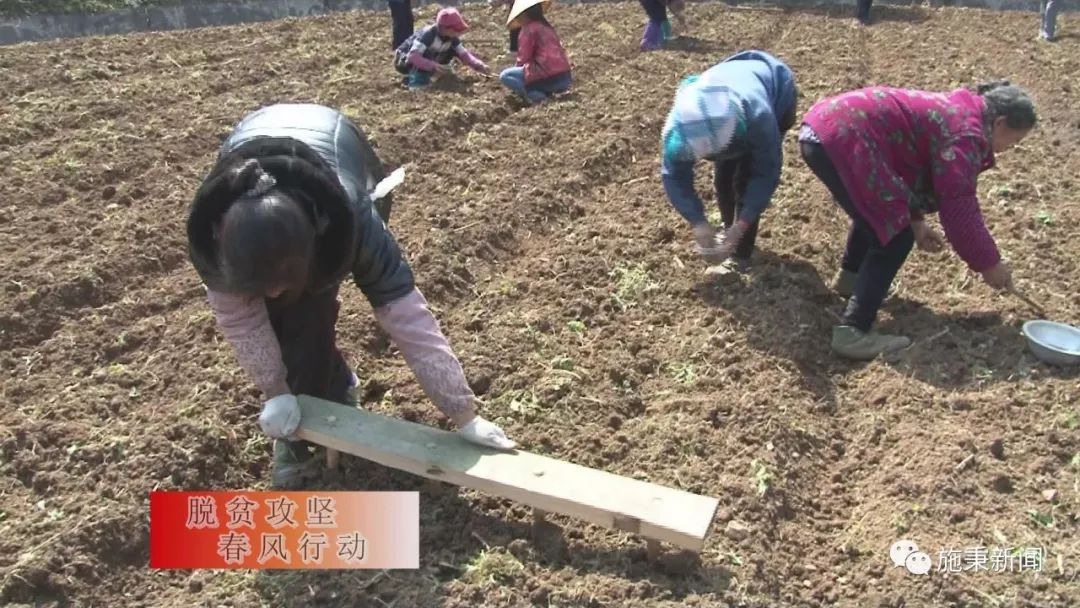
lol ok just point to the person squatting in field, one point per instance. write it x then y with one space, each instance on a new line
890 157
433 48
734 114
281 219
542 68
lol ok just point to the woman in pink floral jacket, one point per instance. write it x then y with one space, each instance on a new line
890 156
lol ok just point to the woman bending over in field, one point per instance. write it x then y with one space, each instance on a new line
891 156
735 114
283 217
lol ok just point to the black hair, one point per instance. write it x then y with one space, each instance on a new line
255 225
1004 99
265 241
536 13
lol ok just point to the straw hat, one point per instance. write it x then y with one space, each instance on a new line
520 6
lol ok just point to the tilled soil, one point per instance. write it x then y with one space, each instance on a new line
566 283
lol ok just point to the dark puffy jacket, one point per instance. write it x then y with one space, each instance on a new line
351 234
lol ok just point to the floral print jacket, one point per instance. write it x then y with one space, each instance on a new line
904 153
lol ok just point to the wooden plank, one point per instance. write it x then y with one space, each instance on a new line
556 486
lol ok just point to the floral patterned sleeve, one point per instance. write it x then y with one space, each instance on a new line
246 325
416 333
955 170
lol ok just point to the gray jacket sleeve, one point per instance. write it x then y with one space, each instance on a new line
380 269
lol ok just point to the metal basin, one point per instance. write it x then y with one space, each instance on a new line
1055 343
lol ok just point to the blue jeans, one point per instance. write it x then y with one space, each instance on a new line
534 92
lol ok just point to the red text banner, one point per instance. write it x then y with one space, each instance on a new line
284 530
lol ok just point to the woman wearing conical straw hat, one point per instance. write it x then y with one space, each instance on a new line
542 69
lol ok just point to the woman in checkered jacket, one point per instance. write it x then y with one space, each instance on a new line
735 115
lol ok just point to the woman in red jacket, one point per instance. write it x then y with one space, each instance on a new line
890 157
542 68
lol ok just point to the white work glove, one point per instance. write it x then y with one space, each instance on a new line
280 416
482 432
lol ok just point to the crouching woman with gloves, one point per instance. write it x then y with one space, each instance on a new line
283 217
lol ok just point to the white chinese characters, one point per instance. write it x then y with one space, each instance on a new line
906 554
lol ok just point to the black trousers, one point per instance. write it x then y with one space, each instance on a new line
730 178
875 262
862 10
402 18
655 9
306 329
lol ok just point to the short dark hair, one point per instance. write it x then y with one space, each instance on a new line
536 13
1006 99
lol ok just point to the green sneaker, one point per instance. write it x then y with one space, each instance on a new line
293 465
844 283
863 346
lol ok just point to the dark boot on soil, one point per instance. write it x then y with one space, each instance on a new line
294 465
419 81
729 270
851 343
844 283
